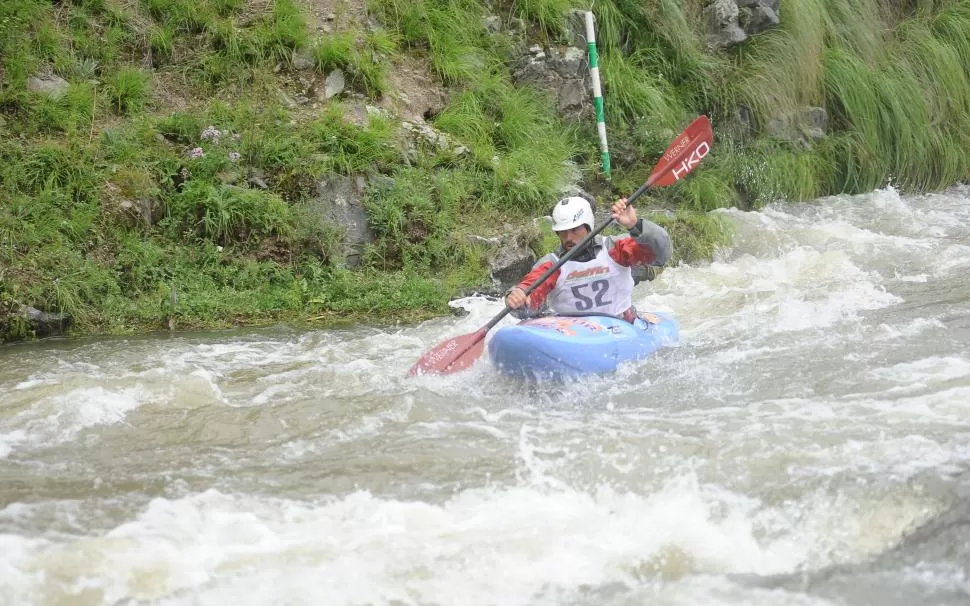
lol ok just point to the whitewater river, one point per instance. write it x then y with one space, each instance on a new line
807 443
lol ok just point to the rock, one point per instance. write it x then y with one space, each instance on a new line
489 242
804 126
745 119
334 84
510 255
257 178
149 209
509 265
563 74
50 86
230 177
355 112
816 121
731 22
569 62
492 24
45 324
726 35
571 98
302 61
377 112
287 101
127 206
339 202
418 133
575 27
132 200
756 16
414 94
758 19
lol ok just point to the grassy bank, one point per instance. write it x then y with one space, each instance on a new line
170 182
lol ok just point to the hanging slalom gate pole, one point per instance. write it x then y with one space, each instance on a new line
594 72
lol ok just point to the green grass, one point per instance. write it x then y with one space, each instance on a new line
549 16
773 76
697 235
513 134
450 32
127 213
363 56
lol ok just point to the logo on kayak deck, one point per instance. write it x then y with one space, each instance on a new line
650 318
580 274
565 325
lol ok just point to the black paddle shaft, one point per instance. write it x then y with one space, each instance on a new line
569 255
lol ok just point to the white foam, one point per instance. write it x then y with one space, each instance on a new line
799 290
481 547
58 418
492 545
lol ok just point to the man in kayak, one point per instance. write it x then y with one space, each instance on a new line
598 278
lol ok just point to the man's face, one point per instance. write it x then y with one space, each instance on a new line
571 237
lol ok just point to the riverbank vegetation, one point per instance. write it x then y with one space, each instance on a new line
168 179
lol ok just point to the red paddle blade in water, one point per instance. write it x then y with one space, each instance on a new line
685 153
451 355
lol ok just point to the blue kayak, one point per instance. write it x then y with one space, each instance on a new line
568 346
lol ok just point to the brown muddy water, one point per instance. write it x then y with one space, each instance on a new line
806 443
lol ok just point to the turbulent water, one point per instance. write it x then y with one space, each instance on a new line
807 442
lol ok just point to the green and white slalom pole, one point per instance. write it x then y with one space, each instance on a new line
594 72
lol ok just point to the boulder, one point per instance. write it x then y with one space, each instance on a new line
804 126
334 84
756 16
419 134
302 61
48 85
339 202
721 21
575 27
562 73
45 324
510 255
509 265
492 24
730 22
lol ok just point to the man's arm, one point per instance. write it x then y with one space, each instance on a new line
537 297
648 244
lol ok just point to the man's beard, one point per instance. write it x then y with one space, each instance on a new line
586 253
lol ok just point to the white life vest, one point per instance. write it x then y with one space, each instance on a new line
600 285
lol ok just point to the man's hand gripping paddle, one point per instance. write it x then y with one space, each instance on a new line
678 160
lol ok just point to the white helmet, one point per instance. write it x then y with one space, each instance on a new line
571 212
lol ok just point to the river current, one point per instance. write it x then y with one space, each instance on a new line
806 443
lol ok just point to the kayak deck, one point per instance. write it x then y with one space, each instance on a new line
563 346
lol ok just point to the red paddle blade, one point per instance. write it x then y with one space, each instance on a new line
684 153
451 355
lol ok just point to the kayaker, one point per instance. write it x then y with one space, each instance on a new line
599 278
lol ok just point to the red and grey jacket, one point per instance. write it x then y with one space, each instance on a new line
647 244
